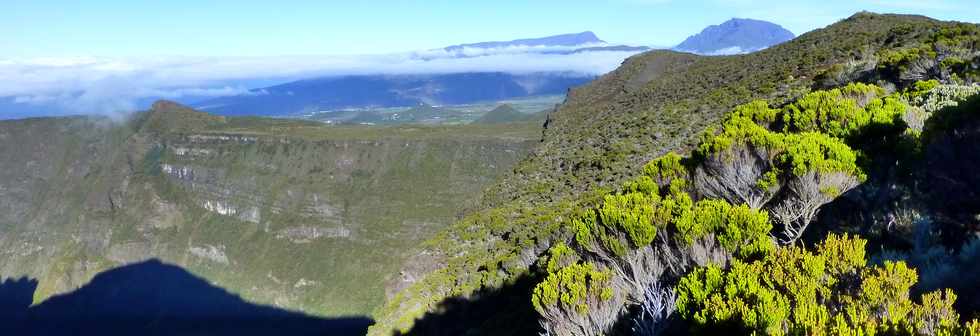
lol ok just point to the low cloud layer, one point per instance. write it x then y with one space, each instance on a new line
114 86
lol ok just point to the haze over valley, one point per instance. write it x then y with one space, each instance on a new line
479 72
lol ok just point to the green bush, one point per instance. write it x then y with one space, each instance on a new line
811 151
739 229
572 288
792 291
920 89
631 213
843 111
558 257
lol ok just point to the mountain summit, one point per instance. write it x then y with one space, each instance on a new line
583 38
736 36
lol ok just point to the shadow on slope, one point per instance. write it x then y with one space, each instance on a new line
153 298
496 311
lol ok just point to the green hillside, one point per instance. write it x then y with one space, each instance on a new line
285 212
593 194
506 114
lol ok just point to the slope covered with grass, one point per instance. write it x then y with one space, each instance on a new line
608 131
293 213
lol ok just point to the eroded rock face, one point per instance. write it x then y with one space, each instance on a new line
303 222
306 234
210 252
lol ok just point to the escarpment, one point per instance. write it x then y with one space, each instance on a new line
285 212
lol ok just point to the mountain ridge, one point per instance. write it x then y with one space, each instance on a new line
505 113
735 36
608 130
328 93
572 39
341 203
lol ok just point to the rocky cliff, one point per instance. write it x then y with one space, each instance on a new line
290 213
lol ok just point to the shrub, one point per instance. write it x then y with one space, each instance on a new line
578 299
794 172
832 291
665 169
943 96
739 229
622 222
559 256
841 112
920 89
632 214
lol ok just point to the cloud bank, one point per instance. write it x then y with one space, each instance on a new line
115 86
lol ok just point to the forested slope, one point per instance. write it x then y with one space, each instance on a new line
601 231
297 214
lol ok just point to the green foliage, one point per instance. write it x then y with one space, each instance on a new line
811 141
757 111
920 89
740 229
843 111
622 221
638 212
769 180
956 111
559 256
949 47
792 291
811 151
901 59
151 161
957 35
738 130
657 102
667 170
631 213
807 136
572 287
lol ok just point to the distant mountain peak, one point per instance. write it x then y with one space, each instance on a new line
588 36
737 35
503 113
575 39
166 115
735 22
163 106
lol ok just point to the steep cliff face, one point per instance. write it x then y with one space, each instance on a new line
290 213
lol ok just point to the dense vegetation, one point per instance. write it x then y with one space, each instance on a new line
784 163
306 216
623 237
832 291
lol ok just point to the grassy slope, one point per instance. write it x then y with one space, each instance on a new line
81 195
506 113
661 100
656 102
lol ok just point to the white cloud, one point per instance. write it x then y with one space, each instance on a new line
114 85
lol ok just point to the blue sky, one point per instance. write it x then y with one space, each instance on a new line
43 28
109 57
